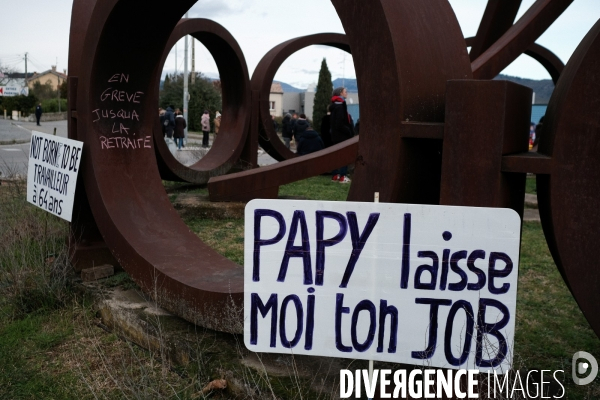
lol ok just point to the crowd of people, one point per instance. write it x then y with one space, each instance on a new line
174 124
336 126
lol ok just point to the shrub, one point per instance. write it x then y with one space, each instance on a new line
51 105
25 104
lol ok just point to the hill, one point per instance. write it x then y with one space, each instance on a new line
287 88
543 88
349 84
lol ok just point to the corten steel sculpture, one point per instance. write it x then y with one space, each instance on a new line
548 59
121 178
235 92
261 87
260 131
412 66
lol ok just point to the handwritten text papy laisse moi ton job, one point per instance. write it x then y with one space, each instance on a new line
122 136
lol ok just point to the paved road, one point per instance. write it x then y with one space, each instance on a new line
14 157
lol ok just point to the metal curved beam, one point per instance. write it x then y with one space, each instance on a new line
262 79
122 182
548 59
235 87
498 17
404 53
566 195
518 38
264 182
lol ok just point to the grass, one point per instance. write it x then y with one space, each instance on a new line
530 187
51 344
28 368
316 188
550 326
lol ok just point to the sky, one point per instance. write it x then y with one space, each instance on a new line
258 26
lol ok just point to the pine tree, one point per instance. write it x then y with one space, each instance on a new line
322 96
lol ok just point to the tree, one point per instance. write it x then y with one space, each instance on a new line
25 104
203 96
5 72
64 90
322 96
43 91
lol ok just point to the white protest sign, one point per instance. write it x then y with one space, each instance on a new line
10 91
416 284
52 173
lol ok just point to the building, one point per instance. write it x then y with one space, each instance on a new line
537 112
291 102
276 100
303 102
52 75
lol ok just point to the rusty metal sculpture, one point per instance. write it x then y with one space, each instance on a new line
261 85
421 112
235 91
120 174
261 131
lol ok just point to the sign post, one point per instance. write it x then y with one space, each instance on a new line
52 173
416 284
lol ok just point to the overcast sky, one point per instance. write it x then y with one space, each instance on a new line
41 28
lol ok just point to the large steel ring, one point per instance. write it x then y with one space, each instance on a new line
548 59
568 195
262 79
235 87
402 66
122 181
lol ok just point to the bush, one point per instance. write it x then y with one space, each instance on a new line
43 92
25 104
51 105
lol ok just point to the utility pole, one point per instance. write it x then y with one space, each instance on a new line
193 61
58 91
185 84
344 72
175 59
58 85
26 67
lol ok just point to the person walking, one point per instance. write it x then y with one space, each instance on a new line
179 133
38 113
286 129
169 122
217 122
161 118
275 124
293 123
205 122
341 127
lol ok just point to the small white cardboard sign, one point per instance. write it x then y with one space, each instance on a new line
416 284
52 173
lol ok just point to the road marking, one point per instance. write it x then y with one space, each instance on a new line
12 149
